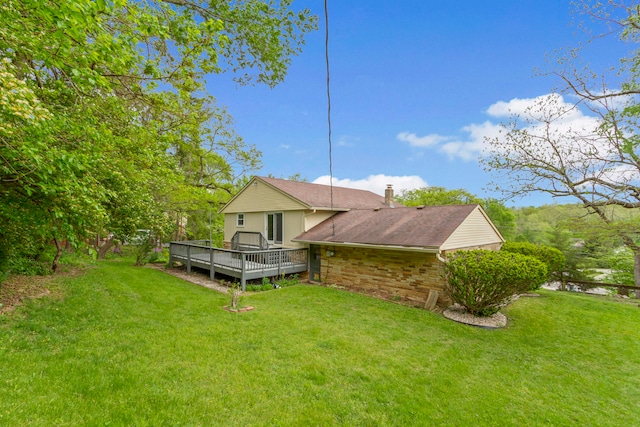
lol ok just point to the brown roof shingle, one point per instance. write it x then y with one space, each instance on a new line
425 227
319 196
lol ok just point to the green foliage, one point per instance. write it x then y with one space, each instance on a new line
551 257
105 127
267 284
259 288
29 257
436 196
4 260
145 248
502 217
483 281
621 262
586 242
28 267
285 281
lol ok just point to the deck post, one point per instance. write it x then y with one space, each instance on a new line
188 258
212 270
279 261
170 254
243 279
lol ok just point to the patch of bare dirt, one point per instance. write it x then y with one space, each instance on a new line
194 277
16 289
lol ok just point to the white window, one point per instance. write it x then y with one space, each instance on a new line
275 227
240 220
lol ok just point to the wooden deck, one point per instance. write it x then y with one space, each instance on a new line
244 265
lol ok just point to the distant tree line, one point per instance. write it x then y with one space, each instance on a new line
587 243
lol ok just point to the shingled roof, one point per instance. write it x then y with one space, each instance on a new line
423 227
318 196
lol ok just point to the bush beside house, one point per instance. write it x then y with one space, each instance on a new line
553 258
483 281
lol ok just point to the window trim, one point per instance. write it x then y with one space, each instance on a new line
240 220
274 237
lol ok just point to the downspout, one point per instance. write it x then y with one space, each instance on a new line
304 220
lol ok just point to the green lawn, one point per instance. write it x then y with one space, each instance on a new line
135 346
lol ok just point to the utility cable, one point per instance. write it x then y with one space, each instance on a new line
328 72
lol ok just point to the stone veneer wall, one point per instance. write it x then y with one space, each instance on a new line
395 275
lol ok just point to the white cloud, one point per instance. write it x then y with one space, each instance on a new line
535 108
502 109
471 141
467 148
421 141
471 147
284 146
376 183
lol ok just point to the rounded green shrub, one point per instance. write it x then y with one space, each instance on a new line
553 258
483 281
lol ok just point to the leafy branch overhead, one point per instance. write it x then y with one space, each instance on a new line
105 123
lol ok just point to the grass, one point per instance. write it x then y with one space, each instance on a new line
134 346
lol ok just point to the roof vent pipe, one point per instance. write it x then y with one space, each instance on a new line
388 196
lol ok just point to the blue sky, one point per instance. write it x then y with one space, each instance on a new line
415 85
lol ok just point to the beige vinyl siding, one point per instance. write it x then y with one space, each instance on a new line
259 197
476 230
253 221
314 218
293 222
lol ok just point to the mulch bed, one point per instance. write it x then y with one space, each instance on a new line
461 315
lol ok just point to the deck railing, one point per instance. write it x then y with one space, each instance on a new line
249 241
244 265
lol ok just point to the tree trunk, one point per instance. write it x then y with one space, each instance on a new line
59 249
102 252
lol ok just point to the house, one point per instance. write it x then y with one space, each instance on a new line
360 240
282 209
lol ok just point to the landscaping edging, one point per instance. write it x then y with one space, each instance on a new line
461 315
238 310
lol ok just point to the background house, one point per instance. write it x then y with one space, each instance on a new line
360 240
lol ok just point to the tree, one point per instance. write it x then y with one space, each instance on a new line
105 126
503 217
500 215
589 149
435 196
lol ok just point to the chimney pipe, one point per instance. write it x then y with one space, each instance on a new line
388 196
